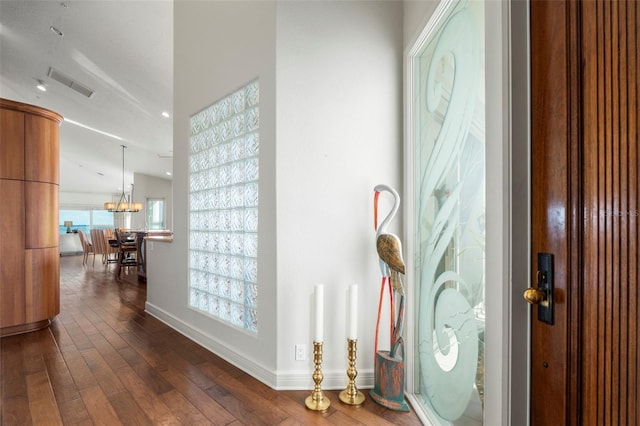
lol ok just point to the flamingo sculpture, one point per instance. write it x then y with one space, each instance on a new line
388 389
389 249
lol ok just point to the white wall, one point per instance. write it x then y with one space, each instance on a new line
330 129
82 200
219 47
151 187
339 108
416 16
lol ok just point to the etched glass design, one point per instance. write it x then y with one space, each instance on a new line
223 208
449 216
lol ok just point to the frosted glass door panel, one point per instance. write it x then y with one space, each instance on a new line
449 216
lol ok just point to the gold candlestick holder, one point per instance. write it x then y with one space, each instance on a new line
317 401
351 395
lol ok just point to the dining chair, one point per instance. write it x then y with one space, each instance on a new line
87 247
128 250
112 250
98 242
101 246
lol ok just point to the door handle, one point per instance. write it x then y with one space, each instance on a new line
533 295
543 294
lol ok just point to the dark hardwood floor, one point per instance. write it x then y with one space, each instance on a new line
105 361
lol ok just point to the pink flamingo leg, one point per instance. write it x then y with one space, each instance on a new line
393 314
375 349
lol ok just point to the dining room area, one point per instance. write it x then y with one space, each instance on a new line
116 250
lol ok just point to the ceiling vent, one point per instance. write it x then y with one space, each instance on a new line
69 82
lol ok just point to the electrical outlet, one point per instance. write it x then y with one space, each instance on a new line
301 352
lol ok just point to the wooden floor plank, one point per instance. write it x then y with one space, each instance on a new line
63 385
298 411
79 370
61 336
83 322
148 401
105 361
32 356
80 339
214 412
42 403
103 374
251 400
128 409
108 352
15 410
14 382
111 335
99 407
142 345
184 410
190 371
151 376
74 412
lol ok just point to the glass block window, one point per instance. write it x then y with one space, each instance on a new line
223 208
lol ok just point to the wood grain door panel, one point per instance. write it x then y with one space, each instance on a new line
610 168
551 207
585 191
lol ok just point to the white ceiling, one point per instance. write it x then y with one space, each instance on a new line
123 50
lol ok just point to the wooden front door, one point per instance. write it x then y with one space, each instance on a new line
584 136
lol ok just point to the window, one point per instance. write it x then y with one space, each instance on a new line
84 219
101 219
155 213
223 208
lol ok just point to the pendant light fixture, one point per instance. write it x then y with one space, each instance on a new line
124 204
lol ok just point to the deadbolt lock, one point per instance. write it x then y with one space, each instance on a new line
542 296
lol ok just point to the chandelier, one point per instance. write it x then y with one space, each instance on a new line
124 204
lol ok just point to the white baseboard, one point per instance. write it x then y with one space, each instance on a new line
290 380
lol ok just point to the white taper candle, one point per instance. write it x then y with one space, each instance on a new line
319 310
353 312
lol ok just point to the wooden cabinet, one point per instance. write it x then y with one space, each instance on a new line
29 184
12 144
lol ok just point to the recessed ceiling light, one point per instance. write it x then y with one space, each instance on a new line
168 173
41 86
56 31
165 114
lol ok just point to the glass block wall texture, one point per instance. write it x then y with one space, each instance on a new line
223 208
